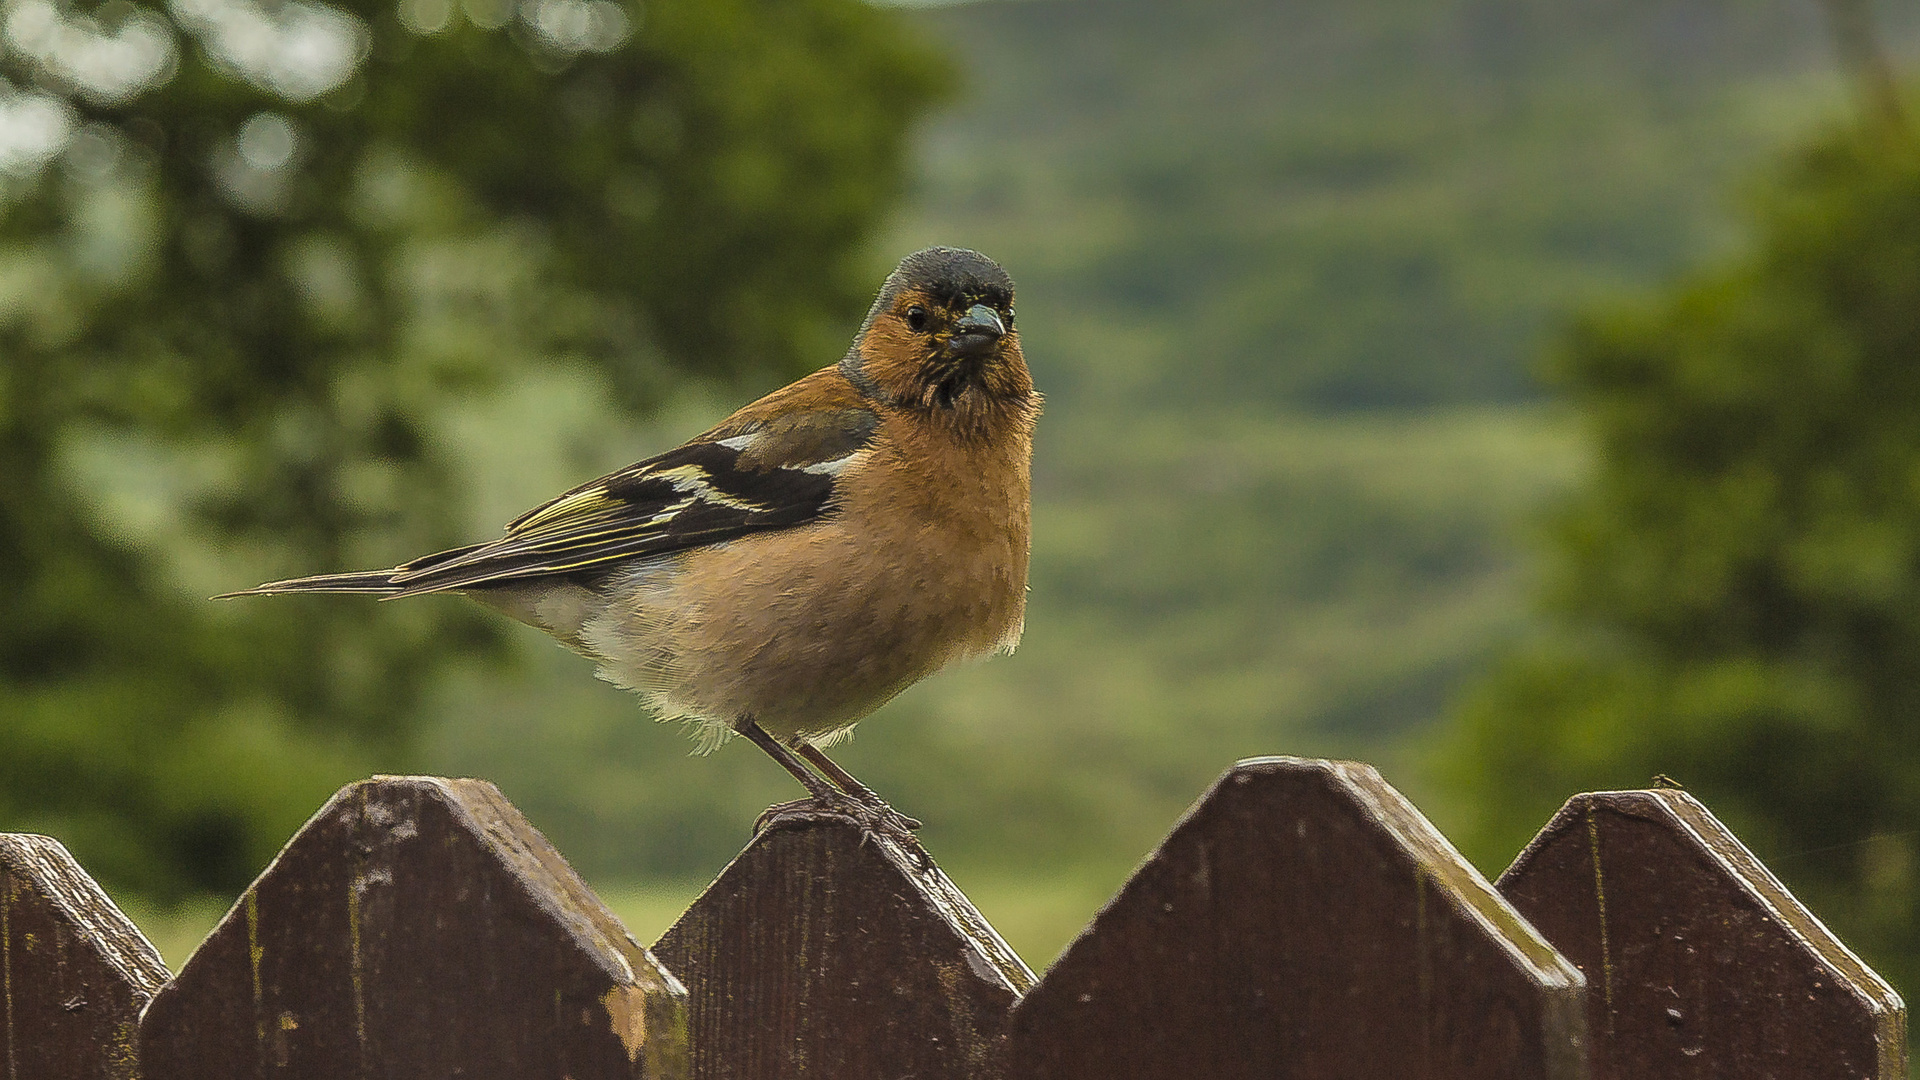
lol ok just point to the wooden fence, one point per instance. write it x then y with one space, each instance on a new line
1302 920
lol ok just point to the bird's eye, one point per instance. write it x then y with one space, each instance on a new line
916 318
1009 314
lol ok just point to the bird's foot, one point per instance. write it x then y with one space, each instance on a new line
886 821
875 818
892 819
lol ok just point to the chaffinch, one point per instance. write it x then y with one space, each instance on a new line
790 570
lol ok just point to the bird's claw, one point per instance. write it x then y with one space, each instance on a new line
875 819
896 821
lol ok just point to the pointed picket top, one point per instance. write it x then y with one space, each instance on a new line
1701 963
824 951
1303 920
418 927
75 971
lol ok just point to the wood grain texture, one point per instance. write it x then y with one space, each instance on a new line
823 952
1304 921
418 928
74 971
1701 963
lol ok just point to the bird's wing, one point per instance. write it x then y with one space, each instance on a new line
774 473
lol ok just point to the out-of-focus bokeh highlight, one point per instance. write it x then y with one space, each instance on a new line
1516 394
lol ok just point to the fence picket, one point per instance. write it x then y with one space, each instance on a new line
1701 962
417 927
1303 920
818 952
74 971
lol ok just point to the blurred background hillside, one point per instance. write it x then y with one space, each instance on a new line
1388 346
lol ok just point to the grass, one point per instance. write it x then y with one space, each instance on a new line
176 930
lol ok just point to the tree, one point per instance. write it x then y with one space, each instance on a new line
1737 586
255 246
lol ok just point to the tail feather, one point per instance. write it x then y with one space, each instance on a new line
378 582
371 582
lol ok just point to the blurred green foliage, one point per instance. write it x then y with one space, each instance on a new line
1350 204
1738 585
257 258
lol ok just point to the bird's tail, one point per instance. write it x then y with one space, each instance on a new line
369 582
376 582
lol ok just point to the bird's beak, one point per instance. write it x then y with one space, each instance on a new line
976 332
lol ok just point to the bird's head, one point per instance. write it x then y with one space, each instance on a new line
941 336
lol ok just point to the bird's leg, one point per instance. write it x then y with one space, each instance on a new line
853 787
824 797
816 786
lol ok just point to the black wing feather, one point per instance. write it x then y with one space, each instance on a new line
729 484
701 493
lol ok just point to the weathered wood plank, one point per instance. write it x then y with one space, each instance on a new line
820 952
1303 920
74 971
418 928
1701 963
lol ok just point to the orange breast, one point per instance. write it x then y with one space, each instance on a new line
810 629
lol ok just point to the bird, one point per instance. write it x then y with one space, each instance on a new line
786 572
